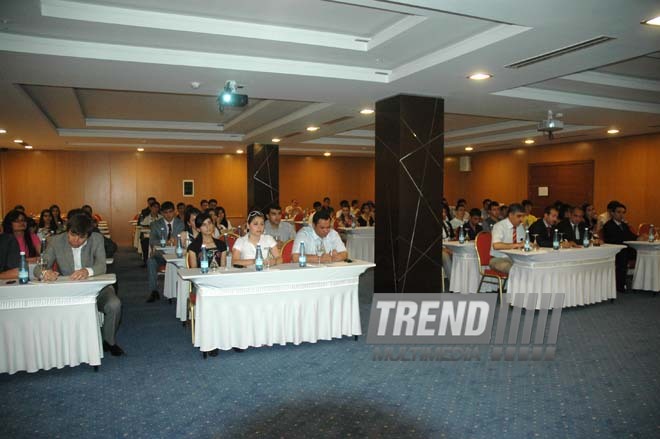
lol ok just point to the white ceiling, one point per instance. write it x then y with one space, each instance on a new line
116 74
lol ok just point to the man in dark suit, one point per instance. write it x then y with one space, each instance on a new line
545 227
573 227
472 227
79 254
147 210
167 227
616 231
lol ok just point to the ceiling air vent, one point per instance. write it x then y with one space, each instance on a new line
559 52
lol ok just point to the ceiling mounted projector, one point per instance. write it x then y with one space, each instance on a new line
550 125
229 97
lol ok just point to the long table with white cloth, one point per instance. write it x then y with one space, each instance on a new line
464 277
284 304
174 286
646 276
584 275
50 324
360 243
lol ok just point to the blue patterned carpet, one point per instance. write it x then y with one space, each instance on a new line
603 384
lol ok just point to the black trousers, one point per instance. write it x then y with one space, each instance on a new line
621 265
144 243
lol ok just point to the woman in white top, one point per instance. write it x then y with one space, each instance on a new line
459 219
221 222
245 247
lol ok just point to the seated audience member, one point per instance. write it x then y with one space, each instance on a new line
372 206
190 230
293 209
616 231
328 207
245 247
355 208
204 204
280 231
169 226
473 226
365 219
507 234
88 210
57 216
213 214
147 210
15 224
607 215
153 216
79 254
344 216
216 250
222 223
544 228
485 211
213 203
323 235
590 217
573 227
459 218
447 235
493 216
181 211
317 208
528 219
564 211
10 257
504 211
47 225
20 208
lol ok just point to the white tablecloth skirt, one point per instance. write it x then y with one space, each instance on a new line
175 287
44 337
306 312
465 275
582 283
647 271
360 247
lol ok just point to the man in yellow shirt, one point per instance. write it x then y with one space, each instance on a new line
528 219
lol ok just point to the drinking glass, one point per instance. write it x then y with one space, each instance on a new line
536 237
320 249
43 266
267 257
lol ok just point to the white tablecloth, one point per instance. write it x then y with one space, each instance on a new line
286 304
464 277
175 287
584 275
647 267
46 325
360 243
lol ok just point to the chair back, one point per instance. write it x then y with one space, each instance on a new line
644 228
231 238
296 220
287 250
482 244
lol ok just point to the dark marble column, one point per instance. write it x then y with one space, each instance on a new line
409 174
263 181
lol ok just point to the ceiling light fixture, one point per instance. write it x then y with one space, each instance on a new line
327 154
140 149
653 21
469 148
367 111
28 146
312 128
480 76
18 140
529 141
239 151
275 140
3 131
612 131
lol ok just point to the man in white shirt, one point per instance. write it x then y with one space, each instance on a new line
281 231
321 231
508 234
293 209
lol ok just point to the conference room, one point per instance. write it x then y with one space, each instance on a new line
190 242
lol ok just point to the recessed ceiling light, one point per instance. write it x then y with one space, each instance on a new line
18 140
612 131
239 151
275 140
140 149
653 21
529 141
367 111
480 76
28 146
312 128
469 148
3 131
327 154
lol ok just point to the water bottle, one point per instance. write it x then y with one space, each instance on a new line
239 231
461 235
204 261
651 233
259 259
527 246
302 260
555 240
43 246
585 238
162 237
353 222
179 246
23 275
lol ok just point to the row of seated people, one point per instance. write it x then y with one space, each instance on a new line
78 252
509 233
363 215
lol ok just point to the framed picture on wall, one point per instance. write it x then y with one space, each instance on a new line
188 188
